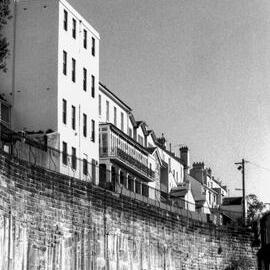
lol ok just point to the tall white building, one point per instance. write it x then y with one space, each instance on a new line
52 79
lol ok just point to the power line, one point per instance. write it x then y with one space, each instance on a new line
259 166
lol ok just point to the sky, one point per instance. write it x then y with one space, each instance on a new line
197 71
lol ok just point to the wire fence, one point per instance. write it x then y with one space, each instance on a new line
34 149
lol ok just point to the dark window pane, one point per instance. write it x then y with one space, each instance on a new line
64 153
85 39
84 79
85 167
73 28
84 125
73 159
73 117
93 85
64 111
93 46
64 62
93 130
73 70
65 20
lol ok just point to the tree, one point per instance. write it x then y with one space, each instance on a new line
254 208
4 17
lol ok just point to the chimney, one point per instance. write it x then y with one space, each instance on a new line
162 141
198 171
184 156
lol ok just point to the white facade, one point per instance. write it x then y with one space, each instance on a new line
183 197
174 171
124 158
40 79
112 110
205 187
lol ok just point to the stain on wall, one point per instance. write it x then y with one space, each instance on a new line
49 221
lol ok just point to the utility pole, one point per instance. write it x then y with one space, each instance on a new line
241 167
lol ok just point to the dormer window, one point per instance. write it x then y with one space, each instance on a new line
140 139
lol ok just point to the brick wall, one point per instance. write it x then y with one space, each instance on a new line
50 221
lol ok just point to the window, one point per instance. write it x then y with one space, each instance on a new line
73 117
130 132
85 167
64 153
145 190
85 39
64 111
93 85
73 159
93 170
115 116
93 46
65 20
73 70
137 187
84 125
130 184
64 62
74 28
122 121
107 111
93 130
140 139
99 104
104 142
84 79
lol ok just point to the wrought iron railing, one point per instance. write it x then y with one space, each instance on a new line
127 158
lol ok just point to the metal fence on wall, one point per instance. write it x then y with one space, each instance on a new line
38 153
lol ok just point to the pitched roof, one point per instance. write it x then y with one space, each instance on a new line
232 201
110 93
178 193
132 119
151 150
142 124
200 203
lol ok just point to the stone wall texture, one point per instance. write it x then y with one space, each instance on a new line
51 221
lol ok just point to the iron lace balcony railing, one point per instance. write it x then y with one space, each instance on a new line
127 158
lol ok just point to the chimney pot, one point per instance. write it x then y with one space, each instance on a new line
184 156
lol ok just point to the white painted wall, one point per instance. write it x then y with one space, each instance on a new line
113 103
73 91
175 169
130 127
139 132
150 141
40 84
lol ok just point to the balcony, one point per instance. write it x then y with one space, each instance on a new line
127 160
4 113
